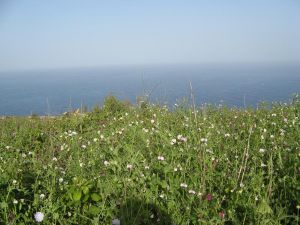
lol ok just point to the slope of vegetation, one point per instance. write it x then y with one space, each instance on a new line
152 165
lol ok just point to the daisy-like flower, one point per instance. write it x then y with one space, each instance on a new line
261 150
162 196
184 139
129 166
183 185
39 217
54 159
14 181
106 163
173 141
147 167
15 201
204 140
60 180
179 137
42 196
192 192
161 158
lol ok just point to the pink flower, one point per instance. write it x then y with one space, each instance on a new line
209 197
222 214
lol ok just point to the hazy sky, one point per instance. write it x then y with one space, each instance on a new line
37 34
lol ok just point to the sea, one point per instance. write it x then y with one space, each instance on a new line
55 91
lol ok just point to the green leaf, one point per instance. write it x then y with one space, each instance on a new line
85 190
85 198
77 195
264 208
94 210
164 184
95 197
3 205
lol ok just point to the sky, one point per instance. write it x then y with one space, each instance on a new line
37 34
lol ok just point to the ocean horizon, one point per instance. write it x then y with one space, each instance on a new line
52 92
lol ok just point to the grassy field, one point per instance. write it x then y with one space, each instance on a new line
152 165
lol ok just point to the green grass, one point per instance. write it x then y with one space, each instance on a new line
151 165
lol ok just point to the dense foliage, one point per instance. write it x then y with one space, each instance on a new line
152 165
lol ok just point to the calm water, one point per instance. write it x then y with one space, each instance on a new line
56 91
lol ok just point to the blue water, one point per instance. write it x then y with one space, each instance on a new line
56 91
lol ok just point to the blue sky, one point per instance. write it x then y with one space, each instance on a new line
37 34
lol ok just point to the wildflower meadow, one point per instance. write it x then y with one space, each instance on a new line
152 164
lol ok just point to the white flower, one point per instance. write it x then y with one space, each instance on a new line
209 151
203 140
83 146
173 141
183 185
129 166
152 121
54 159
175 169
42 196
60 180
192 192
14 181
147 167
262 150
39 216
106 163
81 164
161 158
95 139
227 135
116 222
184 139
15 201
